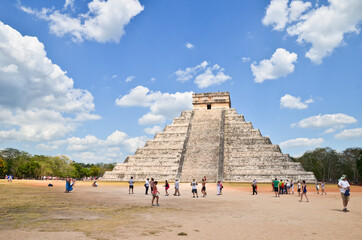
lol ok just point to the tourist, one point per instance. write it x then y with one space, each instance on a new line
167 186
299 189
147 185
203 190
292 186
287 187
344 189
323 187
95 184
304 192
281 187
130 185
221 187
68 186
152 184
254 185
276 187
317 187
205 178
155 194
177 187
194 188
10 178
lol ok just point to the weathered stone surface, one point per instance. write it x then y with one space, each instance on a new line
212 140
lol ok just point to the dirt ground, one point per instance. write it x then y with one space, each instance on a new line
31 210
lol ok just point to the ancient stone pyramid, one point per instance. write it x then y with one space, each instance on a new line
211 140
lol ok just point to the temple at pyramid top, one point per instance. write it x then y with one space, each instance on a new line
210 140
211 100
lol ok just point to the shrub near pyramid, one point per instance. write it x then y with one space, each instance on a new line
211 140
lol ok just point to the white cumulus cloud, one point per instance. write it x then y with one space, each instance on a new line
104 21
204 75
162 106
337 120
349 134
322 26
279 65
276 14
289 101
92 149
302 142
37 99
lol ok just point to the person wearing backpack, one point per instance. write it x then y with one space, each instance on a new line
281 187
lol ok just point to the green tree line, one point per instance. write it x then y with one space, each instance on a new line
21 164
328 164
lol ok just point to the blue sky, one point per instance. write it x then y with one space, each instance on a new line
95 79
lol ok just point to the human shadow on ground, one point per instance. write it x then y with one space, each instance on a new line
337 210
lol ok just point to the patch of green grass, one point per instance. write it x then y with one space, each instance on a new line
182 234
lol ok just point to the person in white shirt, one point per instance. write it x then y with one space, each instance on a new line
147 185
194 188
344 189
177 187
299 188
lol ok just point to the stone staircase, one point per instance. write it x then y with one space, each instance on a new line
202 154
159 158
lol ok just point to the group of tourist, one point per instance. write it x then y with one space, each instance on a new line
322 187
9 178
287 187
152 184
279 188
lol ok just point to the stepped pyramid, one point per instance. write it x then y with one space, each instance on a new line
211 140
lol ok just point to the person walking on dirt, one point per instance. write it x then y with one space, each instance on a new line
304 192
177 188
276 187
130 185
147 185
254 185
167 186
323 187
203 190
194 188
152 183
344 189
155 194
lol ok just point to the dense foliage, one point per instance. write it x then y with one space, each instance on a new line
24 165
328 164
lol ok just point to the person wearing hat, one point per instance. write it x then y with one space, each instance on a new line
344 189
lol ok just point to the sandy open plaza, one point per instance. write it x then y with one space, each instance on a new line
31 210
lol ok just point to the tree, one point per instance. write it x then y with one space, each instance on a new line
94 171
323 162
3 168
349 159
